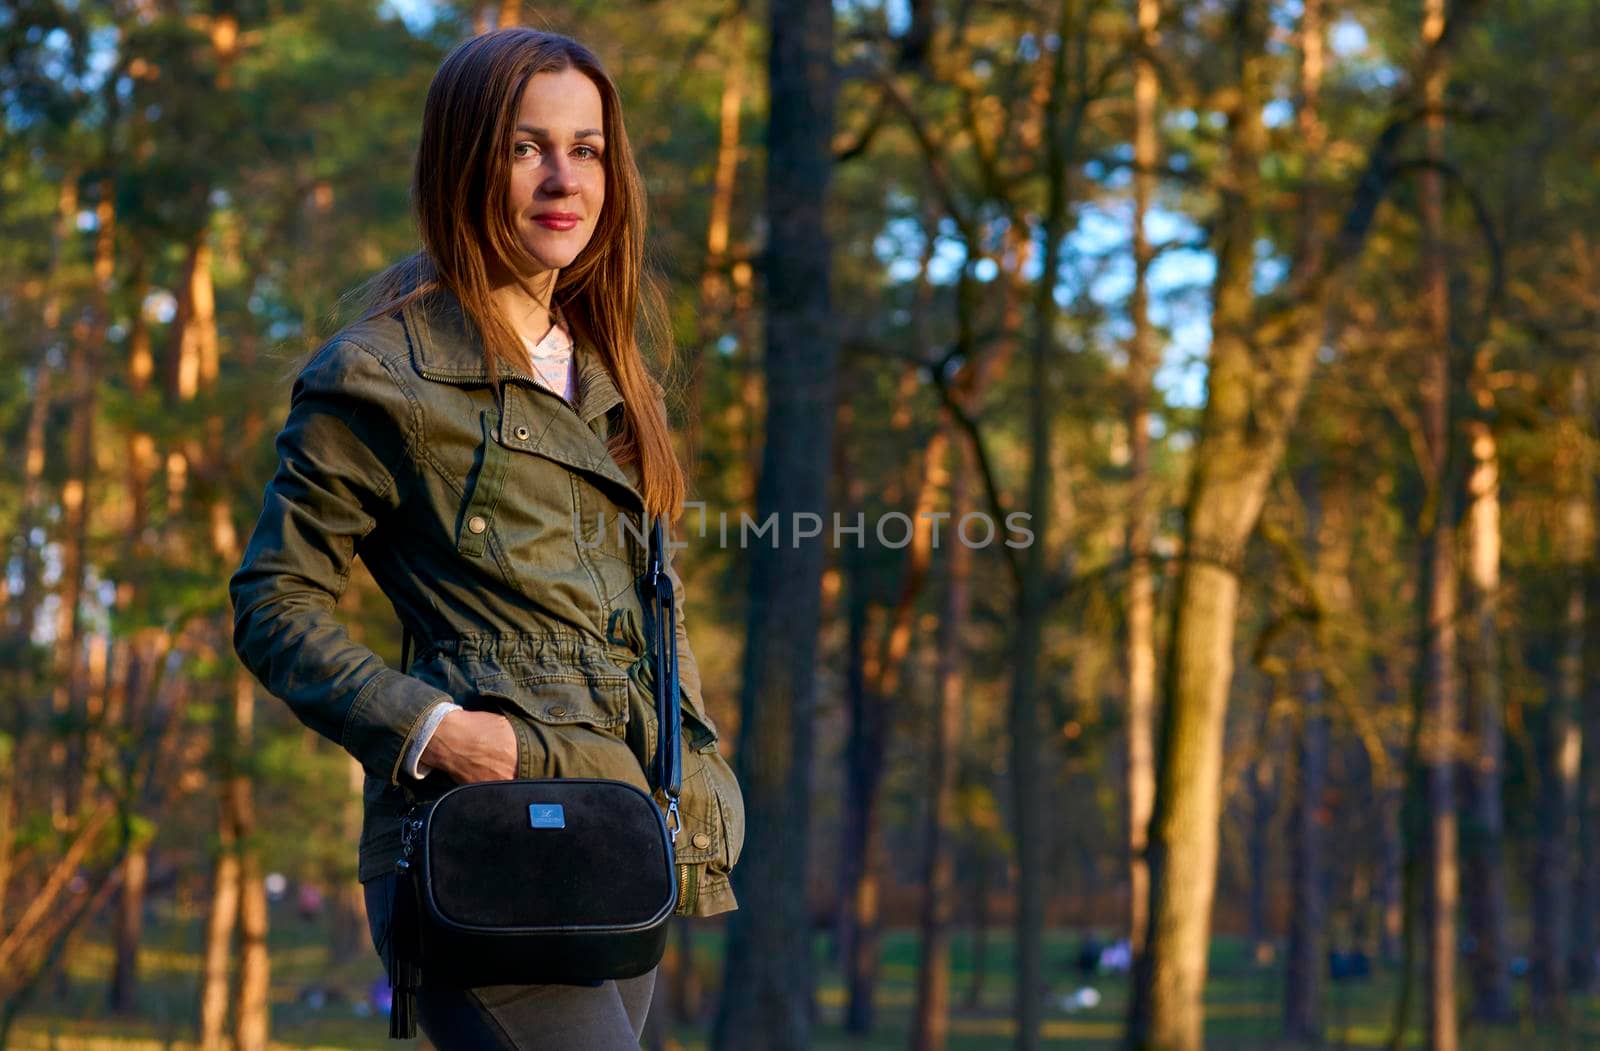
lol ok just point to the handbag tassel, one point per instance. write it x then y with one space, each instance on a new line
405 976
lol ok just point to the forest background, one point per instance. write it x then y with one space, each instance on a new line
1278 318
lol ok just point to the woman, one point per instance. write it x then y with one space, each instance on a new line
439 438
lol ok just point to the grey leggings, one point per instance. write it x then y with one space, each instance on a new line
607 1017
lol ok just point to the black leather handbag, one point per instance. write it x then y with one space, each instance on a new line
544 880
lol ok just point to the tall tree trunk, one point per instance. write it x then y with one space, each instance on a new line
980 930
1441 707
1330 537
252 1015
871 729
1140 653
1586 904
1483 834
716 296
1391 874
1224 501
220 920
349 937
863 767
1033 595
767 984
33 477
129 929
1264 791
872 678
1562 751
1303 993
124 707
747 408
1389 790
931 1013
88 344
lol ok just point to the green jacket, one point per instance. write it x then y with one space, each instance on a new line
485 534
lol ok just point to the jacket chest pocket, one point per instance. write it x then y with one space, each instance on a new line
488 482
518 512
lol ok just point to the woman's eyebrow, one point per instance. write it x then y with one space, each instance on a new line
583 133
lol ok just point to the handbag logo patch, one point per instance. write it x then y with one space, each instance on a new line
546 815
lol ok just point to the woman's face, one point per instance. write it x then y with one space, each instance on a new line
558 181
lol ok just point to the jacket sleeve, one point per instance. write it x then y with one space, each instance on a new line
342 456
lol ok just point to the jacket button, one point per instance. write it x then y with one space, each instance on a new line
522 434
556 710
700 840
477 524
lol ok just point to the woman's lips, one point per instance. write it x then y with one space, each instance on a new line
555 221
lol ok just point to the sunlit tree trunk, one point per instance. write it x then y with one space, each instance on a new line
218 950
1139 657
930 1023
1224 502
252 1012
716 295
1484 869
1441 706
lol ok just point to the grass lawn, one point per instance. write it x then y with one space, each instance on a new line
1242 1000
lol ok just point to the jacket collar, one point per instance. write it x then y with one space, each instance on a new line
446 347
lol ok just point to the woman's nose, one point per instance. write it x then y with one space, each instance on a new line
560 179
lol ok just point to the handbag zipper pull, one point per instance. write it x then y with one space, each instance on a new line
409 827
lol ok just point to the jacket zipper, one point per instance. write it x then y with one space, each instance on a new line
688 890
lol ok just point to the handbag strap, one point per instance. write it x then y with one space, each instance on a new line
664 631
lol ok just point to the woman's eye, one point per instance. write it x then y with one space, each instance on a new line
524 149
590 153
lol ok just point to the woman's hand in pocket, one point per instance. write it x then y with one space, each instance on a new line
474 746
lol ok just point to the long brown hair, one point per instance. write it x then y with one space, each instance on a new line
458 190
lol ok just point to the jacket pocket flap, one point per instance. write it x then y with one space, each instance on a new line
700 837
563 697
712 808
